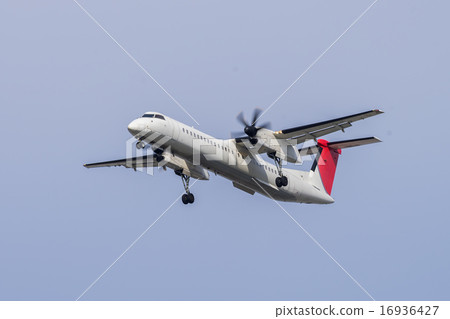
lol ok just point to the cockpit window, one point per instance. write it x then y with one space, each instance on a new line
156 116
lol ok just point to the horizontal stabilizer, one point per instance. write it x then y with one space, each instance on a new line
353 143
311 150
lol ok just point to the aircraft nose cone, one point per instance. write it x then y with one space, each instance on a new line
135 127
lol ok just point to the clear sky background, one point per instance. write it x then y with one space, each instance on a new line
67 93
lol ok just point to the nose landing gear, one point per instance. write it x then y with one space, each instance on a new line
140 145
158 154
187 198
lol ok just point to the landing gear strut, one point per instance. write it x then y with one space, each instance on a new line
280 180
187 198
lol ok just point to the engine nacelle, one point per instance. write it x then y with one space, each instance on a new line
189 169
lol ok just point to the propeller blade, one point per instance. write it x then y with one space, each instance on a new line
236 134
241 119
266 125
256 113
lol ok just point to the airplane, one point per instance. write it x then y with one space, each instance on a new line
191 153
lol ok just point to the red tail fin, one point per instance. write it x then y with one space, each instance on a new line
328 154
327 162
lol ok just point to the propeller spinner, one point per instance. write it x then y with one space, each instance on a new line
250 129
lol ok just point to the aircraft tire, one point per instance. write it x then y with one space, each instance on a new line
185 199
284 180
190 198
279 182
140 145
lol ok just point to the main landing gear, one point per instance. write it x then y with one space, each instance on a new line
187 198
281 180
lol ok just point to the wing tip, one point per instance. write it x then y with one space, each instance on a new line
377 140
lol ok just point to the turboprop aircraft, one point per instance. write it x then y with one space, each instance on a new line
193 154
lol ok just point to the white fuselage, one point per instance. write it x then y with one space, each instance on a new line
251 174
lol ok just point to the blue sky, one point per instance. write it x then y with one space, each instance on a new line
68 93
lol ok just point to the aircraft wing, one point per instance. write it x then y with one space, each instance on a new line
132 162
313 131
171 161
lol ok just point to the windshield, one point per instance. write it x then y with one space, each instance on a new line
156 116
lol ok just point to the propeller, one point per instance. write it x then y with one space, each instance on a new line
251 129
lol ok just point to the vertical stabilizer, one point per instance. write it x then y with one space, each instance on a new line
325 164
